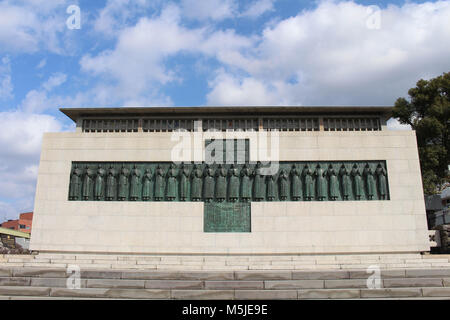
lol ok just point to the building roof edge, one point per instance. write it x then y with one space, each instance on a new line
75 113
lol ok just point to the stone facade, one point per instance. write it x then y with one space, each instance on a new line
396 225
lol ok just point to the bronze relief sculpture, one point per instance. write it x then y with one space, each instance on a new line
333 183
99 183
233 184
171 183
321 187
357 182
221 184
184 182
123 184
87 182
75 183
284 184
159 183
382 182
310 181
370 182
208 184
258 183
111 184
346 182
135 187
270 180
146 185
196 183
296 184
246 188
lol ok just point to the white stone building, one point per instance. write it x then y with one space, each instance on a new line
326 136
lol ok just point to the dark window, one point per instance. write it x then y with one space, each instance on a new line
110 125
351 124
230 124
291 124
163 125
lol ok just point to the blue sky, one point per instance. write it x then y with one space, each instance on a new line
201 52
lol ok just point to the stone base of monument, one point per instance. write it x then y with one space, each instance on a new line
228 262
47 283
46 276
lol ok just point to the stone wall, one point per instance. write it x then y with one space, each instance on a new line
395 225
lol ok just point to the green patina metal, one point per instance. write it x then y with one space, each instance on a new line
166 181
227 188
227 217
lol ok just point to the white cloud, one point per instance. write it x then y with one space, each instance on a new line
135 69
42 64
217 10
38 100
394 124
27 26
44 6
20 146
325 55
258 8
17 27
21 133
222 44
328 55
6 87
137 60
210 9
54 81
118 14
229 90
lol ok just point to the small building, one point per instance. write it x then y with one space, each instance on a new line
23 224
10 224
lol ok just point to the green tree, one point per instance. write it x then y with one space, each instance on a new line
427 112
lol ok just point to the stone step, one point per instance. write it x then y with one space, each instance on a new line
19 274
226 262
71 298
223 284
126 284
49 283
270 284
227 268
104 293
52 298
20 292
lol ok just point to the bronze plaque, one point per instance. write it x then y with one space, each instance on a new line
227 217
